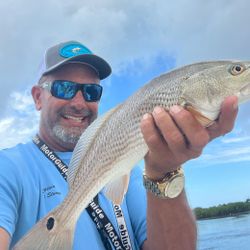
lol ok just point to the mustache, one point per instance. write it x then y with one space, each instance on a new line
74 111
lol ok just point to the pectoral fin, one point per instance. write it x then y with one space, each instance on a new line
203 120
117 189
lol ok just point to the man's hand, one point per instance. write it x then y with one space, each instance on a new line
175 137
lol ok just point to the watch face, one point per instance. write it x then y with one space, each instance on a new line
175 187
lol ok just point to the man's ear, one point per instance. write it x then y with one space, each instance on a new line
36 92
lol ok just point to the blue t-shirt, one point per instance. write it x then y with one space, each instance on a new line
31 186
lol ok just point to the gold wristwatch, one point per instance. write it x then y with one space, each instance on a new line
169 187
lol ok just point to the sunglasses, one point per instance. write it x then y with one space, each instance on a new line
66 90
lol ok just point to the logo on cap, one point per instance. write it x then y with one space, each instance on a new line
71 50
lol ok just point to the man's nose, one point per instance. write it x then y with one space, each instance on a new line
78 100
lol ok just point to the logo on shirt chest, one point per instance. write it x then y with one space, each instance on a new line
50 191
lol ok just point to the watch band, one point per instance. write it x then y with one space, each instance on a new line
169 187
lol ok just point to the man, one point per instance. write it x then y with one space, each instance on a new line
67 96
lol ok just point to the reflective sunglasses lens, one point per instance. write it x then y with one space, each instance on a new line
63 89
92 92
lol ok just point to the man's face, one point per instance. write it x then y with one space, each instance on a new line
63 121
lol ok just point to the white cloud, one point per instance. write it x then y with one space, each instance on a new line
190 30
187 30
20 121
238 139
224 155
21 101
224 150
6 123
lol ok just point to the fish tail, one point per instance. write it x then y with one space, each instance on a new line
48 234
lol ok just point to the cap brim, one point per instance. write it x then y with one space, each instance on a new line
100 65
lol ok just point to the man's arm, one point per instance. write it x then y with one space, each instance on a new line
173 138
4 239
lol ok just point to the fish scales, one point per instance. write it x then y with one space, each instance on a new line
112 145
119 136
132 111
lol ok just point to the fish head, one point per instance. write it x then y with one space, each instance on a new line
205 90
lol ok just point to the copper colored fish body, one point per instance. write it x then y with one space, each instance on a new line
113 144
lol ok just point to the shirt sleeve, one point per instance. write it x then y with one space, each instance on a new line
137 205
10 193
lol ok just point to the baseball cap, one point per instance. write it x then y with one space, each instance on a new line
73 52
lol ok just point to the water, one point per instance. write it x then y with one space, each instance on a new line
231 233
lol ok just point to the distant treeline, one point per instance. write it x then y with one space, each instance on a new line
222 210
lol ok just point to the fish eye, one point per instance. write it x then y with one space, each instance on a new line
237 69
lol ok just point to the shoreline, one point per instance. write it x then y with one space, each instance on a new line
224 216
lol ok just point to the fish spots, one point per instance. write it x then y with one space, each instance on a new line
50 223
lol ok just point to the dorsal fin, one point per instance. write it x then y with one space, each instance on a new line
84 143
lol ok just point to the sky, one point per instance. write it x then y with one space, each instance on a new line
140 39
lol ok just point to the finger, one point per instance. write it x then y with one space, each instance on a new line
196 135
159 160
151 134
225 123
170 132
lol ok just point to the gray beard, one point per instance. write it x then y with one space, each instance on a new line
69 135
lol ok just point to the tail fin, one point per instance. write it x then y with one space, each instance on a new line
47 234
